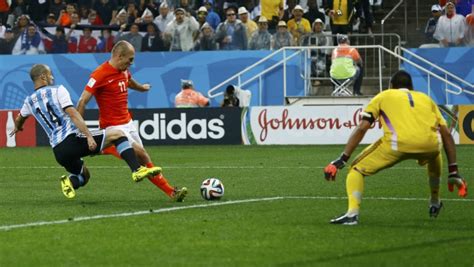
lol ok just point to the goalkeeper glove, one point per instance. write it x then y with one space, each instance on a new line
454 179
331 169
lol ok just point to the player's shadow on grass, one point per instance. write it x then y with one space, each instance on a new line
347 257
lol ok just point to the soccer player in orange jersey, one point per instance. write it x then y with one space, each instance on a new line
109 85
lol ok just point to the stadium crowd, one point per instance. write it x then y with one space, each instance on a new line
85 26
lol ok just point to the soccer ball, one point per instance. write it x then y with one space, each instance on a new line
212 189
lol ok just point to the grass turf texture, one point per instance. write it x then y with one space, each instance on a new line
287 232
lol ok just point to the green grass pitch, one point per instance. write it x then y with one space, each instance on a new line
275 212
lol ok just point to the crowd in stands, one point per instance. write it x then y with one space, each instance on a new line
85 26
451 24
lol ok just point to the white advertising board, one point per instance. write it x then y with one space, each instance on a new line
304 125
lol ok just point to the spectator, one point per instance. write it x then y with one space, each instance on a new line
364 6
432 22
150 5
189 98
59 43
298 26
132 12
236 97
120 19
188 9
87 43
347 63
212 17
469 35
288 13
38 10
340 16
451 27
250 25
7 42
21 24
463 7
319 57
282 37
231 34
273 11
133 37
261 39
4 9
206 41
201 16
93 19
106 41
65 15
56 7
152 40
107 9
29 43
180 32
164 18
313 12
17 9
51 19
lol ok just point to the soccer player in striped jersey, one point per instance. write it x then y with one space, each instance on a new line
68 135
109 85
413 129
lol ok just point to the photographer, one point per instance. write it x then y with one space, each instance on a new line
340 13
236 97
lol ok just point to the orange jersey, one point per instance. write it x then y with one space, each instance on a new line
110 89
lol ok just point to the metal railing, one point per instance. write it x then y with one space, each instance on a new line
288 53
382 22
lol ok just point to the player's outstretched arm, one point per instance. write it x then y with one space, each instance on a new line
81 125
132 84
83 100
454 178
356 137
19 121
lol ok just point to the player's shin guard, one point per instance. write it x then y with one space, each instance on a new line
355 189
126 152
161 182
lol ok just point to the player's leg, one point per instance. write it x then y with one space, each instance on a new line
158 180
434 163
371 160
127 153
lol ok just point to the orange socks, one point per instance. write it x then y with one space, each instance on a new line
161 182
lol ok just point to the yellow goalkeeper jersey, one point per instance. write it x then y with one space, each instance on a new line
410 120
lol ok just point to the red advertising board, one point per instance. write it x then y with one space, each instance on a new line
27 137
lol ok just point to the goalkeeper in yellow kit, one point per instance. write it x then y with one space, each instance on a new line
413 129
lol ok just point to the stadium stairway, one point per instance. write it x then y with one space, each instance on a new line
394 24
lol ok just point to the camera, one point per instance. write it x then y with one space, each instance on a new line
339 12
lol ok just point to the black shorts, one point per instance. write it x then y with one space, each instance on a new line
69 152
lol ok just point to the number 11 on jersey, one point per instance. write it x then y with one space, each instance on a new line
122 86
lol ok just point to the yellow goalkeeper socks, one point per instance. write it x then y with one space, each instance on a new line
355 188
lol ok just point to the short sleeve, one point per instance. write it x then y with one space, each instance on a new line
25 110
374 106
64 98
439 118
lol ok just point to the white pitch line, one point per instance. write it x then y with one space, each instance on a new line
214 204
209 167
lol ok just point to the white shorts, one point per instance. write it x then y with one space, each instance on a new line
130 132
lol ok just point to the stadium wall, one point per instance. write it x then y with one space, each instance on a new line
163 70
458 60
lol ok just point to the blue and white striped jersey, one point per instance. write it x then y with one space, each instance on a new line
47 105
